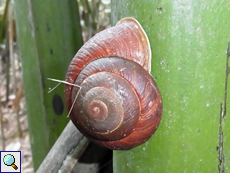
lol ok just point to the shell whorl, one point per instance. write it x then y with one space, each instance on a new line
119 105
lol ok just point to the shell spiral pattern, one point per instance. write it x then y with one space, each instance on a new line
119 105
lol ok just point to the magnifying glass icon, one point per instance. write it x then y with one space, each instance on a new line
9 160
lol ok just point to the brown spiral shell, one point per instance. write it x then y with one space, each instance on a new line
119 105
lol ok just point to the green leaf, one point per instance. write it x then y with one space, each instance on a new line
49 35
189 40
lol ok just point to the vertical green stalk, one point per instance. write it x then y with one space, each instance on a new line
189 40
49 35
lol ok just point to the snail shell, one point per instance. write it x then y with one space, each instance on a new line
119 105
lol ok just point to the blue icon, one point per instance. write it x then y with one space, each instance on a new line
9 160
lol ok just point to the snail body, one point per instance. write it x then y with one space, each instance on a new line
119 104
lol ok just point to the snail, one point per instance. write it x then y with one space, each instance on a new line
118 104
